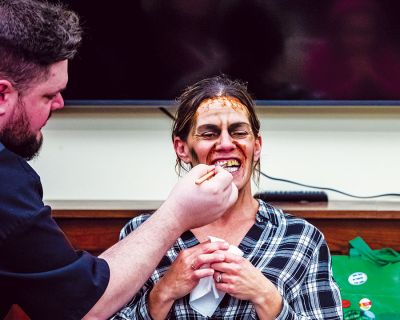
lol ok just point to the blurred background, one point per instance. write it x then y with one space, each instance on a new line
284 49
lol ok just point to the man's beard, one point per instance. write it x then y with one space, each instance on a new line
17 137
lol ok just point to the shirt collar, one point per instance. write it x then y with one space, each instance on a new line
267 213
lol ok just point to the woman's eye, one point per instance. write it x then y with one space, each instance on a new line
208 135
239 134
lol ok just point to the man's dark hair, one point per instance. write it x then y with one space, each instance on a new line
33 36
193 96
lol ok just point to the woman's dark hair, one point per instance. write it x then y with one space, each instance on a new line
193 96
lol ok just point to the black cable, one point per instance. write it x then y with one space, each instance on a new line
169 114
165 111
330 189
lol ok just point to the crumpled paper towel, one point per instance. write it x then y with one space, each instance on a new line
205 297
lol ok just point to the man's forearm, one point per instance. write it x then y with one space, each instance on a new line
133 260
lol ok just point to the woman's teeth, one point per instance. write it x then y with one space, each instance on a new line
229 165
231 169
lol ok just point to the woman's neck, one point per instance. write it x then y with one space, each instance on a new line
234 223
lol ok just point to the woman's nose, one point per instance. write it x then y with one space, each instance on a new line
225 141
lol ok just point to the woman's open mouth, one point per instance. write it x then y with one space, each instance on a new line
230 165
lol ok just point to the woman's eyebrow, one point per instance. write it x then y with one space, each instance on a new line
207 127
237 125
214 127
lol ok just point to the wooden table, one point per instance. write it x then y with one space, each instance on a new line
378 223
95 225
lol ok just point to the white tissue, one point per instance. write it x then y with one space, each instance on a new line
205 297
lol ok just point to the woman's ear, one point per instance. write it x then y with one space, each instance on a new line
257 148
8 96
182 150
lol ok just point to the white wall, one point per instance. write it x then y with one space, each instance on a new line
126 154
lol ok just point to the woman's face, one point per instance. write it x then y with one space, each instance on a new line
222 134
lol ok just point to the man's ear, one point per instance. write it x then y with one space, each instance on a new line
182 150
8 96
257 148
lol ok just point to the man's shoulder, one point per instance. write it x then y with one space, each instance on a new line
20 194
14 166
19 183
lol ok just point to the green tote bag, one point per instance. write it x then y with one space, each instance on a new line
369 282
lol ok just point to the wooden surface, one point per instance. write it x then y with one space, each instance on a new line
94 225
378 223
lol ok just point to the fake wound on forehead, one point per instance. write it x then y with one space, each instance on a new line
221 102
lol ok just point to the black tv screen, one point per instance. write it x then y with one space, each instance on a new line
283 49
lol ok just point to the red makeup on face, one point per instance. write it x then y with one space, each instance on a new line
222 134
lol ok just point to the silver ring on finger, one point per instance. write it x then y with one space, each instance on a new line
219 277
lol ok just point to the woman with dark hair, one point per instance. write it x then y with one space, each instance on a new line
285 270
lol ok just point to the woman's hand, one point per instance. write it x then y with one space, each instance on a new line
184 274
239 278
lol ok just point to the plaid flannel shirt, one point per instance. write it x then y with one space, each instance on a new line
288 250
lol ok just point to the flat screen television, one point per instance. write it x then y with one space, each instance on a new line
286 50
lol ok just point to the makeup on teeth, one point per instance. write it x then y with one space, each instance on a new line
234 164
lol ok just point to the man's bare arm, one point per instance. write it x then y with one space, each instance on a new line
133 259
